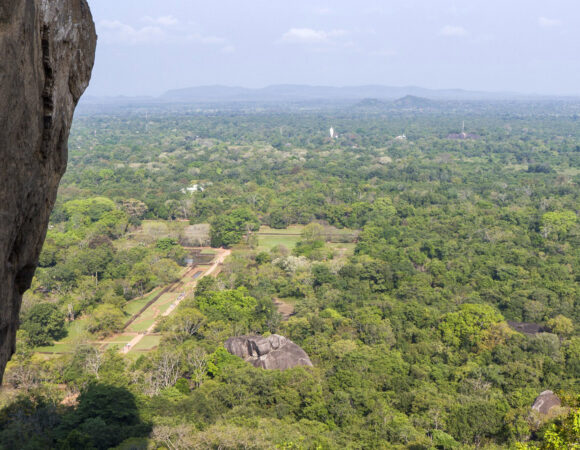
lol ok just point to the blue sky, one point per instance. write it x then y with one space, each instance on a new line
149 46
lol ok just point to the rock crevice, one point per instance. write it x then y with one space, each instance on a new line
48 51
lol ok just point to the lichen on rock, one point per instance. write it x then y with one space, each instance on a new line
48 50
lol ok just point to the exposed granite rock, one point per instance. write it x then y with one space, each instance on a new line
545 402
273 352
529 328
47 50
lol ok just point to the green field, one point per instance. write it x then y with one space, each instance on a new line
165 301
57 348
122 338
267 243
141 324
147 343
209 251
268 238
134 306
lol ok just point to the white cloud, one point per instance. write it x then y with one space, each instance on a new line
165 21
310 36
544 22
452 31
116 32
228 49
113 31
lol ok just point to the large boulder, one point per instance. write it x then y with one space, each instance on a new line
47 50
273 352
545 402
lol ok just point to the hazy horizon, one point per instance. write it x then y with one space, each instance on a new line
148 47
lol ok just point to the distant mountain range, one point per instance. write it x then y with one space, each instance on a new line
293 93
289 93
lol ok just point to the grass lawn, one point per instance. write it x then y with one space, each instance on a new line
268 237
209 251
267 243
154 312
57 348
134 306
147 343
165 301
76 329
142 324
123 338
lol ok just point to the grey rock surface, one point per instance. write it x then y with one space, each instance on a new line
545 402
273 352
47 51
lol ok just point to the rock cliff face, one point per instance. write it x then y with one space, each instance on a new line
273 352
47 50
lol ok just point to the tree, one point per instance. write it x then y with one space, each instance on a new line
557 223
312 232
166 243
141 277
105 417
466 327
234 306
562 435
473 421
185 323
166 271
227 230
106 319
196 362
278 219
44 323
561 325
94 207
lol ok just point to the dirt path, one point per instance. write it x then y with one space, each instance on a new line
285 309
216 263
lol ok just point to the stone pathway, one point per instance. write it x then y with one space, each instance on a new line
217 262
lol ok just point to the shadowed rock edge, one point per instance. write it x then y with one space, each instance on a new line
48 51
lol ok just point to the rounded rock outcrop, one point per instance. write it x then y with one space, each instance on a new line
273 352
545 402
